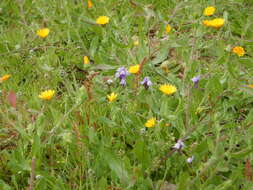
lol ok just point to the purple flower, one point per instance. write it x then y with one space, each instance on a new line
179 145
190 159
196 79
123 82
122 73
146 82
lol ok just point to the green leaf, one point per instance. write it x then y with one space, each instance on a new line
141 153
116 165
4 186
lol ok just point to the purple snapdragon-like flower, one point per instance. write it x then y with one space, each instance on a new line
122 73
195 80
123 81
179 145
146 82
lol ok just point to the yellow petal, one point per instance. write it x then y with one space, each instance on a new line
168 28
134 69
86 60
43 32
90 4
102 20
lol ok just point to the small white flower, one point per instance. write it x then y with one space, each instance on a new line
179 145
142 131
38 176
109 81
190 159
17 46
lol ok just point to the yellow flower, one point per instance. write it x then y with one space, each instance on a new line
250 85
111 97
168 28
215 23
136 43
47 95
206 22
43 32
134 69
209 11
168 89
239 51
86 60
151 122
102 20
5 77
90 4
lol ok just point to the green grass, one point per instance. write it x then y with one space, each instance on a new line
78 140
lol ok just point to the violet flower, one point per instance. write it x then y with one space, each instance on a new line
146 82
122 73
195 80
190 159
123 82
179 145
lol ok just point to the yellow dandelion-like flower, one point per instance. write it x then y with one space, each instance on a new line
239 51
43 32
168 28
168 89
250 85
134 69
215 23
86 60
150 122
47 95
111 97
102 20
90 4
4 77
209 11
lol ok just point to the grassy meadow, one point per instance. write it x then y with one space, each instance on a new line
126 95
